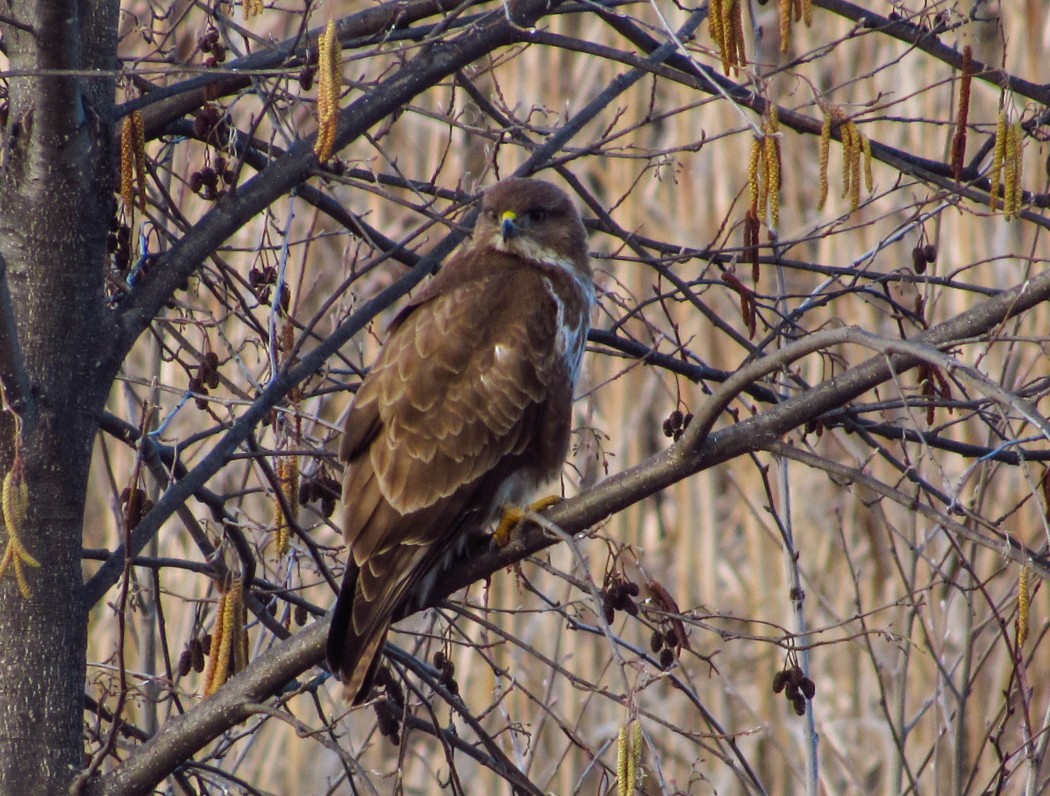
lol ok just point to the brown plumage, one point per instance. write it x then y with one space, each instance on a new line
466 410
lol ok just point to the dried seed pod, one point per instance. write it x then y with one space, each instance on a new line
328 505
630 606
383 677
656 641
666 658
672 423
197 653
808 688
388 721
780 680
799 705
185 663
918 260
395 693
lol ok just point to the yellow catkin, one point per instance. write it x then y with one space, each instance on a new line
230 613
726 29
288 476
634 763
825 154
14 504
1022 608
773 172
252 8
730 9
15 500
242 648
1009 167
1018 148
998 155
763 183
138 131
235 606
328 50
807 12
280 523
784 15
714 27
796 10
752 171
772 157
127 164
854 167
291 486
623 756
865 145
845 132
211 671
738 35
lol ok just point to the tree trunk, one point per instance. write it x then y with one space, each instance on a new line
55 210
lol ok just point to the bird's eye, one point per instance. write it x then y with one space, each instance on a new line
537 214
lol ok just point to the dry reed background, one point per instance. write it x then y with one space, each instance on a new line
915 678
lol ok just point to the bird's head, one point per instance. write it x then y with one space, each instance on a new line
532 219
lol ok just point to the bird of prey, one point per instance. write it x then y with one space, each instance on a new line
465 413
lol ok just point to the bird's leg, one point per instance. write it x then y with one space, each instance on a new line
512 515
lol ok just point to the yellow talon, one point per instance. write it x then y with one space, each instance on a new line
512 515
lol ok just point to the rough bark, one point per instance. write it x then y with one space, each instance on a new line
55 208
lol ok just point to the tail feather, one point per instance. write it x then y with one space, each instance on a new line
353 657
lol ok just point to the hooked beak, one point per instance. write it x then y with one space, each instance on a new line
507 227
